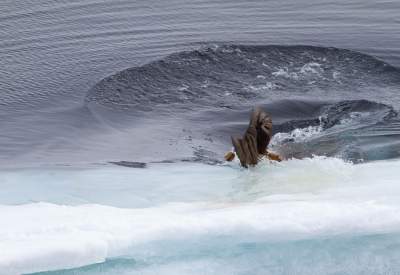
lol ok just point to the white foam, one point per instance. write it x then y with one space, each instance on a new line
294 199
284 72
297 135
311 68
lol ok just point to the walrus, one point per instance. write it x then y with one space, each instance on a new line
253 146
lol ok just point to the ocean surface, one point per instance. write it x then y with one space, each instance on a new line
115 116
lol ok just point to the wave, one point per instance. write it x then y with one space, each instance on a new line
356 130
228 75
349 95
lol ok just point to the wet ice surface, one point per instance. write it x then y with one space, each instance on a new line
181 217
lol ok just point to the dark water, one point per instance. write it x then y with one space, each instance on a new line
54 52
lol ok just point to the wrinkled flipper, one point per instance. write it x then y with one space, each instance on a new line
241 154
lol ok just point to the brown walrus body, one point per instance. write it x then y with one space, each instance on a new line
256 139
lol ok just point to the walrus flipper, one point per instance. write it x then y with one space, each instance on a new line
255 140
237 145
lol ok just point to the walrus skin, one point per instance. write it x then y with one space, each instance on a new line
255 140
